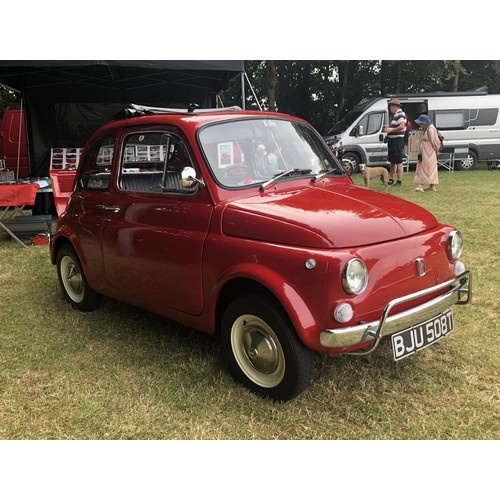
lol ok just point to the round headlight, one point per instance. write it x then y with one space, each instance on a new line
355 277
455 244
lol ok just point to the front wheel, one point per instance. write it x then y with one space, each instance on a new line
73 282
263 350
355 159
349 166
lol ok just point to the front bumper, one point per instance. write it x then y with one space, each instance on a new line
459 293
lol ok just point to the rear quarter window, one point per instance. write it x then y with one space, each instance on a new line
482 117
95 170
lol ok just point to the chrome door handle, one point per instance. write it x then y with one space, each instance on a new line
110 208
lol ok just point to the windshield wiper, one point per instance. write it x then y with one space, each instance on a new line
319 176
303 171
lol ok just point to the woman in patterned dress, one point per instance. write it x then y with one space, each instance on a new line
427 170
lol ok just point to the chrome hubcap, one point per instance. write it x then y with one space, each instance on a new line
257 350
260 348
72 279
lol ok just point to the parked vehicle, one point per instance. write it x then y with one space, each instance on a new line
13 148
339 152
464 118
173 212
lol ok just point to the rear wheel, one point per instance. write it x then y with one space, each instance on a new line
263 350
73 282
468 163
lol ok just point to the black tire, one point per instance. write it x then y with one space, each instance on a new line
263 350
468 163
349 166
355 159
73 283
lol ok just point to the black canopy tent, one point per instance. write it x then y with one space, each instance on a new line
65 101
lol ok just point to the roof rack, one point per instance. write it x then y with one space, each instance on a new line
139 110
478 92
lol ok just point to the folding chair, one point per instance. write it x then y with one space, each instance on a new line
446 158
460 152
493 164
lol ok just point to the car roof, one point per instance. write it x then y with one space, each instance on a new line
143 115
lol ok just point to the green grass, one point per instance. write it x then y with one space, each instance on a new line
122 373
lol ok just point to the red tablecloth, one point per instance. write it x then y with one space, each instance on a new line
14 195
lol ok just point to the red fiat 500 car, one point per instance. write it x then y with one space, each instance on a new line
243 223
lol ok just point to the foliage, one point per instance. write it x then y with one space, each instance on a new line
7 97
323 91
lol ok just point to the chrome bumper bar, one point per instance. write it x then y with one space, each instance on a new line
460 293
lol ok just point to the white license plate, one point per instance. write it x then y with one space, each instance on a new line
418 337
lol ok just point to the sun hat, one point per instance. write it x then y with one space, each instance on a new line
394 101
423 119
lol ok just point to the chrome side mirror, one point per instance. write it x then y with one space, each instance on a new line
188 178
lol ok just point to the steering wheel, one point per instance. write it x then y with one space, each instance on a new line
237 172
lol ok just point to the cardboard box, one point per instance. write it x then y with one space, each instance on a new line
414 142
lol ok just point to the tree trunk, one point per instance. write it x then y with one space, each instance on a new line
343 80
456 78
272 80
397 76
384 75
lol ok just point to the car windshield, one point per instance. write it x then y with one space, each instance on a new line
256 150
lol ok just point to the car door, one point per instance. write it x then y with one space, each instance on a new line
155 229
87 208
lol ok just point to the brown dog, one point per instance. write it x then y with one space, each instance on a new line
371 172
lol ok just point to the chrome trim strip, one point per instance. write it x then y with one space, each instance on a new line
460 293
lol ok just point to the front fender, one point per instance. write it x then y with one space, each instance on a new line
304 319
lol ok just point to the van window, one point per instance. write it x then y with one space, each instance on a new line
452 119
372 123
483 117
95 171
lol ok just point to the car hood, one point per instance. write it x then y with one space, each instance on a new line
339 216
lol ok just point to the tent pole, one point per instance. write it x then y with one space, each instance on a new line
243 90
253 92
19 139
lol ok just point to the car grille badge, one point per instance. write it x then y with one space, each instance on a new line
421 268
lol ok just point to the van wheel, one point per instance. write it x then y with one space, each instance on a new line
355 159
349 166
468 163
263 350
73 282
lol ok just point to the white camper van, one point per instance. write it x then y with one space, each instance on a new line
463 118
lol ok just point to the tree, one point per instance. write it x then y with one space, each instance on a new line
322 92
8 97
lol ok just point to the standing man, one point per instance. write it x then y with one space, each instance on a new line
272 161
395 135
